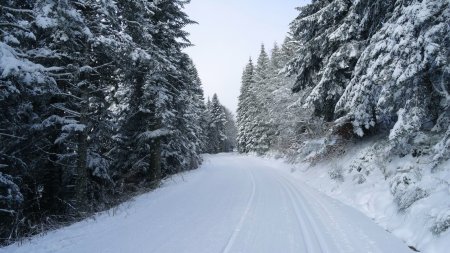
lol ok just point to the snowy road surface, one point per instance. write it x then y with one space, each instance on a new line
232 204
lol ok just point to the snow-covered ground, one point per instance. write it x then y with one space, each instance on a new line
232 203
404 195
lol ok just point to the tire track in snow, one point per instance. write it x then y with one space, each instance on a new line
307 247
313 237
325 208
336 232
238 228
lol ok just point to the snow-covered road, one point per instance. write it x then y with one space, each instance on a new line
232 204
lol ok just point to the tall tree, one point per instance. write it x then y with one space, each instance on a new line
246 108
216 135
261 130
230 131
332 35
93 96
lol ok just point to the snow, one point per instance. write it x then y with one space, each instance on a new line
231 204
10 65
45 22
74 127
155 134
404 195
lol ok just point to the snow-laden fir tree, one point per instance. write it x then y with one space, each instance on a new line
290 123
83 40
230 131
331 36
261 131
401 79
246 108
94 96
181 148
257 121
381 65
221 130
216 126
198 108
25 88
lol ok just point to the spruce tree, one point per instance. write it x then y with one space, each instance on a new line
245 112
230 131
332 35
94 106
261 130
217 136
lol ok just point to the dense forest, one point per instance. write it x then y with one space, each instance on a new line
99 102
356 69
93 98
361 89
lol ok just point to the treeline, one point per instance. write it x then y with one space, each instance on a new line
356 69
98 101
221 130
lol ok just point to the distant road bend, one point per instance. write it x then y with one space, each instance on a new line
232 204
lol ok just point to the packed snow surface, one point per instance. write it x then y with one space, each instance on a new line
232 203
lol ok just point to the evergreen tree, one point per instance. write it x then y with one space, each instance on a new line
391 82
261 130
230 131
24 90
246 109
93 96
216 136
332 35
221 129
288 120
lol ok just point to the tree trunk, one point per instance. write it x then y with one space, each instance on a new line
155 161
82 173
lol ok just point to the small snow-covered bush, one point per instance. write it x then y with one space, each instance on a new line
367 161
405 190
442 149
441 222
311 147
332 147
10 194
406 198
404 131
359 178
336 173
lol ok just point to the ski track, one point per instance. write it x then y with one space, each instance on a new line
243 217
232 204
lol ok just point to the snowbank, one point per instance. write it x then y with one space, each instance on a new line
405 195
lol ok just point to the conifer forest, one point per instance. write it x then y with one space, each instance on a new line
101 104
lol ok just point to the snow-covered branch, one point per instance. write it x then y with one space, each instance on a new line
16 10
12 136
148 135
14 26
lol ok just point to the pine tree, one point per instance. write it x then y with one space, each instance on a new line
181 151
25 88
261 130
198 108
94 106
332 35
216 136
245 111
230 131
377 64
388 80
75 35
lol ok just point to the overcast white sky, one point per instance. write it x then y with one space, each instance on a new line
228 33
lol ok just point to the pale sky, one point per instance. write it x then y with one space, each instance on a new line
228 33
